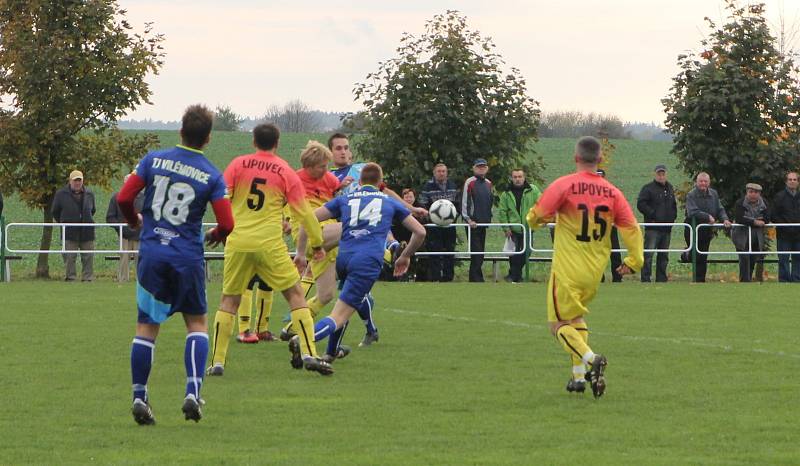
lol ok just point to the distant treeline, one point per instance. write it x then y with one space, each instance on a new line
559 124
572 124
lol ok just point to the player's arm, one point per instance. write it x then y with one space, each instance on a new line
544 211
322 214
631 234
126 197
221 204
417 237
417 211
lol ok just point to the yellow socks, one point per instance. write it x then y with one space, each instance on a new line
306 283
223 328
264 300
578 367
573 343
303 324
314 306
244 311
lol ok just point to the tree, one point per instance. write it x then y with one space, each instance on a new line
225 119
445 98
732 108
68 71
294 117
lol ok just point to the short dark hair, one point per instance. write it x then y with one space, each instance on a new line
335 136
408 190
588 149
266 135
196 125
371 174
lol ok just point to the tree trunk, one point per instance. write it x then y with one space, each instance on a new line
42 264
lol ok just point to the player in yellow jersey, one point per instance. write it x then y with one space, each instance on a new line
259 185
263 307
584 206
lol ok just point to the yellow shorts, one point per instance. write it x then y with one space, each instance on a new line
565 301
318 268
274 266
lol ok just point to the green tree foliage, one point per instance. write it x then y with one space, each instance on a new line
733 110
225 119
68 71
445 98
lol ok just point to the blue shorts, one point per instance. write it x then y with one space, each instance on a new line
357 274
166 287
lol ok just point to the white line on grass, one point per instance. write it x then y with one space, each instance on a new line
674 340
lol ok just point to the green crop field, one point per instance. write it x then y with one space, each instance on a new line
463 374
631 167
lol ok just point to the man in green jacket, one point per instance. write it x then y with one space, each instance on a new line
514 206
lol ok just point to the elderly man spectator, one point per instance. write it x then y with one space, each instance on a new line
751 211
513 207
74 203
130 236
786 209
438 239
703 206
476 207
658 205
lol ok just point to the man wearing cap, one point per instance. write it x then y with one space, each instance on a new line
476 207
74 203
751 211
657 204
786 209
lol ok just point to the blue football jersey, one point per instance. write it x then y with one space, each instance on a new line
366 217
179 184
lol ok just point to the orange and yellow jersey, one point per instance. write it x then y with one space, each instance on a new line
319 191
585 206
259 186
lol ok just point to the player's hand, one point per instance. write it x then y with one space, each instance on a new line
318 253
472 223
401 265
419 212
138 223
727 223
209 237
287 227
624 270
346 181
300 262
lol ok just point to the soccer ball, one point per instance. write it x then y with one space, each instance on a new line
443 212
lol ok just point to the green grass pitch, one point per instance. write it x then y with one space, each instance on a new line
463 374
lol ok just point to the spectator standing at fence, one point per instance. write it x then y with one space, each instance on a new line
616 256
658 205
476 207
74 203
704 207
130 236
438 239
751 211
786 209
513 207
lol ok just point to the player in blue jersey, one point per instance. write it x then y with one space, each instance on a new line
366 217
178 183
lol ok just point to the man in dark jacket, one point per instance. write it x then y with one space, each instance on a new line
786 209
476 207
657 203
440 268
752 211
703 206
74 203
130 236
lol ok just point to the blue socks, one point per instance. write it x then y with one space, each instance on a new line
365 312
142 351
336 340
323 328
194 358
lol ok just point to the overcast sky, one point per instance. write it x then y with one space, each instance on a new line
610 56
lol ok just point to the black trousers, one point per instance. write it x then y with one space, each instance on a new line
704 237
440 268
477 243
517 261
616 257
747 262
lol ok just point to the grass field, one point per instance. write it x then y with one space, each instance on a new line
463 374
